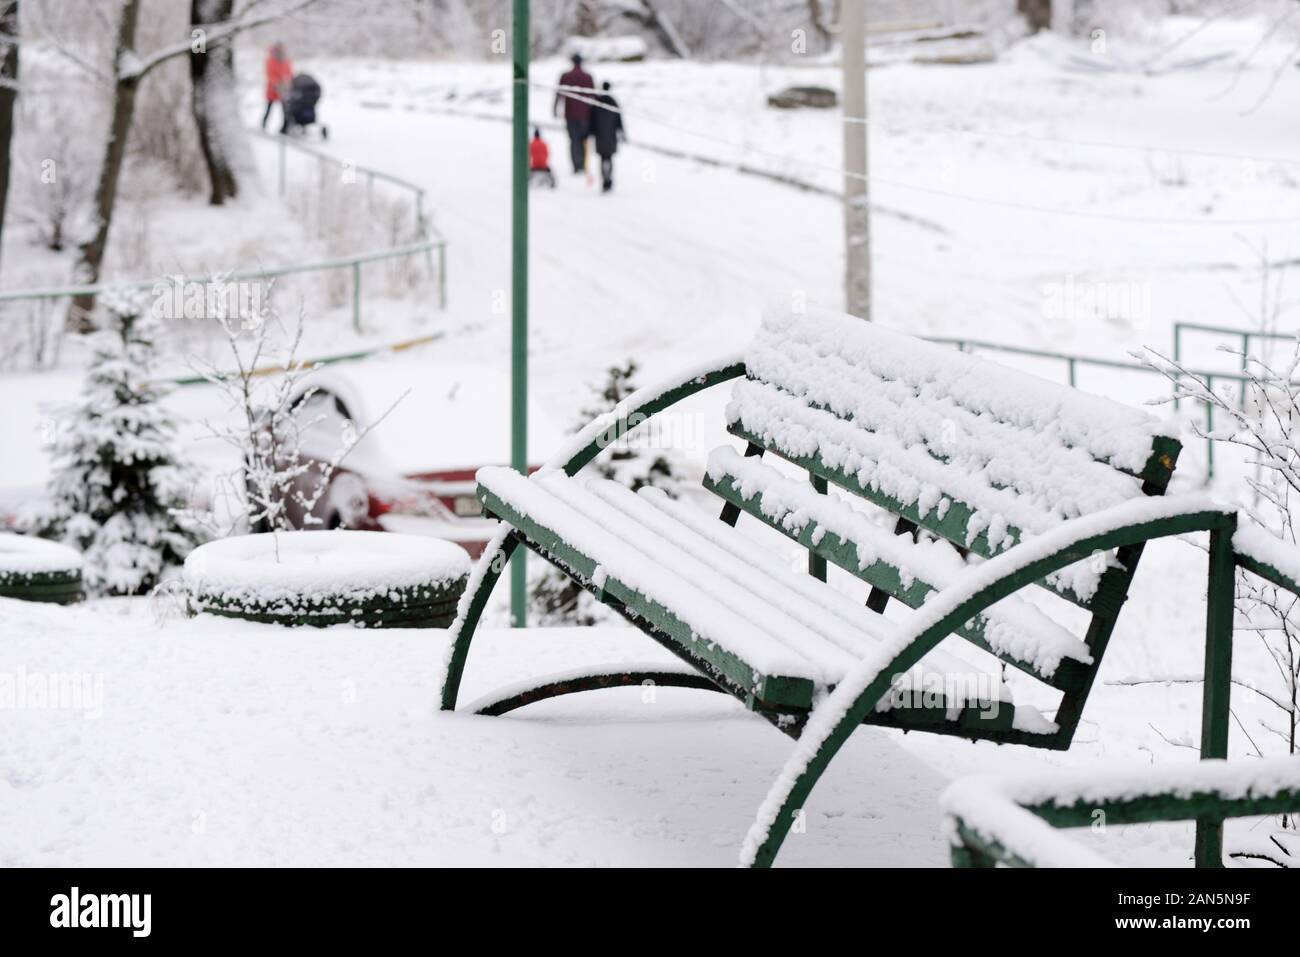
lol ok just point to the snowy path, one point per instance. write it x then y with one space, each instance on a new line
659 270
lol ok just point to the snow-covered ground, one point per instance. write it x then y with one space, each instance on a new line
207 742
227 743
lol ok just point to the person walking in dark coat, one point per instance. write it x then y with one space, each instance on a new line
607 128
577 111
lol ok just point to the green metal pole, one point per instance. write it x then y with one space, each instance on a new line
1218 681
519 294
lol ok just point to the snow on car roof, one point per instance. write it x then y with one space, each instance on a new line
440 416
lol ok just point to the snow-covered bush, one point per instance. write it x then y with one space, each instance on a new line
118 485
557 599
53 170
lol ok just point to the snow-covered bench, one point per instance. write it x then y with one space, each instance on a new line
994 482
1013 821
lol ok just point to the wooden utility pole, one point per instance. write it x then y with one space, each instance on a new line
857 217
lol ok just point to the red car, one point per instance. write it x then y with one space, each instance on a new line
425 429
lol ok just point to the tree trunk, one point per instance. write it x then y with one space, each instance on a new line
91 253
663 27
587 16
215 104
8 94
1037 13
817 15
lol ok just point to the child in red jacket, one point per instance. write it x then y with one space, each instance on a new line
279 73
539 161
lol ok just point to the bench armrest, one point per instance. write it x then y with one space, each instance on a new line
974 590
605 430
1012 820
1272 559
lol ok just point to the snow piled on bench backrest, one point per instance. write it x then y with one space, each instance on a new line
793 348
928 426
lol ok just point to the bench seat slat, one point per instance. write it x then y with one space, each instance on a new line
732 613
1012 629
832 614
794 692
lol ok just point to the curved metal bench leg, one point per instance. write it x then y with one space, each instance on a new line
594 682
491 564
769 831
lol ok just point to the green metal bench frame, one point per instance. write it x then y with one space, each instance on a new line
1195 797
781 706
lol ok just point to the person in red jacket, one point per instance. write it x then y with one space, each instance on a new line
576 102
279 73
539 161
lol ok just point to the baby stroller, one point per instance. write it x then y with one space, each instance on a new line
300 107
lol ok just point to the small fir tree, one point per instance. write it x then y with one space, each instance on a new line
117 486
556 598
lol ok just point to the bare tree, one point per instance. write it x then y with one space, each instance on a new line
129 69
8 94
279 482
649 14
817 16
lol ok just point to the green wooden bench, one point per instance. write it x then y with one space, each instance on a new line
958 484
992 821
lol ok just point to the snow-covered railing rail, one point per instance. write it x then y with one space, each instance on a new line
1244 338
284 144
993 821
426 247
330 359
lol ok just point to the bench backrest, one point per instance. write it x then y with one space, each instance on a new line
968 450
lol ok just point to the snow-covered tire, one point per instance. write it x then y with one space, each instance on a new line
367 579
33 569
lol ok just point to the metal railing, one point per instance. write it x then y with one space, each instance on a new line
436 247
1244 336
429 242
326 360
284 143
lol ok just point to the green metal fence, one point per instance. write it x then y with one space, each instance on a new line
435 248
1243 336
428 243
286 144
